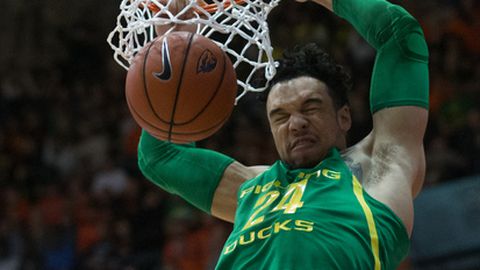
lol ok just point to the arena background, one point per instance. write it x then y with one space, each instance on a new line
72 197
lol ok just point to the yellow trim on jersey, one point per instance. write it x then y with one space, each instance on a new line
357 189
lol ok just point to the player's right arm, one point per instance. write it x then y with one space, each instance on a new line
206 179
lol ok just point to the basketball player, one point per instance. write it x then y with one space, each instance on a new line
323 205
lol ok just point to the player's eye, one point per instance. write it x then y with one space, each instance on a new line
280 118
311 110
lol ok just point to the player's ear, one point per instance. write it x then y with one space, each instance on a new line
344 118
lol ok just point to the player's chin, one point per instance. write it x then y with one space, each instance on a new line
307 158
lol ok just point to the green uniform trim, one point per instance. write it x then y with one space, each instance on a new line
400 73
192 173
372 228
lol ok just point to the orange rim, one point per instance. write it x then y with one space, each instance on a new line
210 8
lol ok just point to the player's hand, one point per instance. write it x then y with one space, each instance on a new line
175 7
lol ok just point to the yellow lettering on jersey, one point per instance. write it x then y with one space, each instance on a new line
306 176
331 174
267 232
267 186
262 203
242 239
303 225
230 247
263 236
292 199
278 184
277 227
246 191
257 189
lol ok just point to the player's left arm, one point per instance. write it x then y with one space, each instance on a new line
398 92
399 87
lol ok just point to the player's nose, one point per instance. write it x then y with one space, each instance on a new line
298 123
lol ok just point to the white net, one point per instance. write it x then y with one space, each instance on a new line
239 28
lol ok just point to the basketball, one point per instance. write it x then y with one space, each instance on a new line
181 87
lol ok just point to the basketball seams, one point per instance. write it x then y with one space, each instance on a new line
175 114
212 97
144 78
153 127
179 86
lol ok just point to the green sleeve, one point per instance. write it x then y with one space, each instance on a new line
400 74
192 173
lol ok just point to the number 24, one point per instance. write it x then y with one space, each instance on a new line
289 202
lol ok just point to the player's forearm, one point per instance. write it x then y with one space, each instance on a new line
375 20
192 173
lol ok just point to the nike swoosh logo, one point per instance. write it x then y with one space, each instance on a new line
166 74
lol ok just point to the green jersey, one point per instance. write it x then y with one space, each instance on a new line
318 218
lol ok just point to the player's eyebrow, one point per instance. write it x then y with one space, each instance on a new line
275 111
314 100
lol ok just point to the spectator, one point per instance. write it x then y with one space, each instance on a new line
68 201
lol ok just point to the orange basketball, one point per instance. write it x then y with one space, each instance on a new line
181 87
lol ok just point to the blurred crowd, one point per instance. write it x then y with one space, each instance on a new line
71 196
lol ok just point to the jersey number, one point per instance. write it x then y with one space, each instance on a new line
289 202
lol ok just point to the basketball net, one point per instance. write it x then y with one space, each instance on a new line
240 28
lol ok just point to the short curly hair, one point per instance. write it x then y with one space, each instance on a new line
310 60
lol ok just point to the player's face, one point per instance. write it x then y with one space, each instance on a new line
304 122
